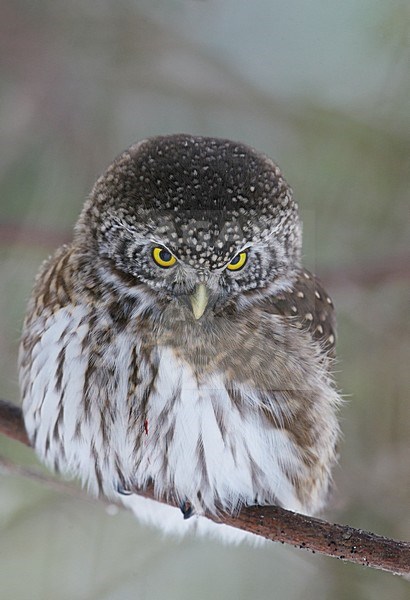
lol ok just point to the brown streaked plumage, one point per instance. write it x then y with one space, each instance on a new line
203 368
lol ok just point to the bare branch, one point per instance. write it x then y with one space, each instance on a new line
11 422
331 539
271 522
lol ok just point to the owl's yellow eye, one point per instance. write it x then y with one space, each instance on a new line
238 262
163 257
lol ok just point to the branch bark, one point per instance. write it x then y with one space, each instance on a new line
271 522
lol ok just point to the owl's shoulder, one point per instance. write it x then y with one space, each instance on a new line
64 279
309 307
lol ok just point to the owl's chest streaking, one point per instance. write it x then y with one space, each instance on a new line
241 423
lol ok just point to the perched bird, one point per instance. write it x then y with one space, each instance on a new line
178 343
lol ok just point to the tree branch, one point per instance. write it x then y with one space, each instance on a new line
271 522
11 422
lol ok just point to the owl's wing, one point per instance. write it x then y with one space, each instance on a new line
311 307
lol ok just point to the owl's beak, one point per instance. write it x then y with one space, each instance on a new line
199 300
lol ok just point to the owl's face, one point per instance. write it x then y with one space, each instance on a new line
199 221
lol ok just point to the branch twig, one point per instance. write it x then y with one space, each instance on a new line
271 522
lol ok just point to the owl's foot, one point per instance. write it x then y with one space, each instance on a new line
186 509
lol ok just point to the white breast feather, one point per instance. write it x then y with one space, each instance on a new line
193 414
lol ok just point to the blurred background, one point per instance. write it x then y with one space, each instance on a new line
323 88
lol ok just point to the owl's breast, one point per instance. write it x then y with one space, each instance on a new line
252 347
208 441
219 420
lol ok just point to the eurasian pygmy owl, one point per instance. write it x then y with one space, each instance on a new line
178 342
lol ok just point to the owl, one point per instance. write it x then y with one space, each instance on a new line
178 342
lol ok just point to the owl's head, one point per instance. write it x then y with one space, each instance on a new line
202 221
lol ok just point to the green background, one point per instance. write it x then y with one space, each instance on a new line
323 88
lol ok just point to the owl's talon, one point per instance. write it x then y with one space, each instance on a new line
123 491
186 509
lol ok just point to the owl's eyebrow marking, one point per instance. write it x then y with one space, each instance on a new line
160 243
243 249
